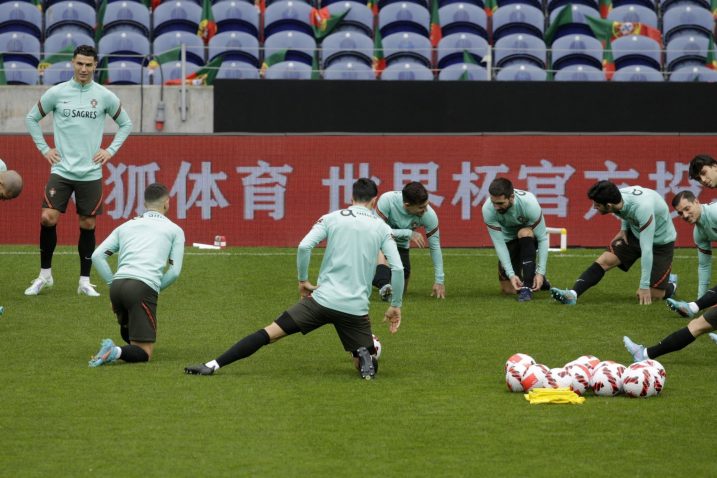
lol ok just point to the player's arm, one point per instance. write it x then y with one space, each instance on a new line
318 233
495 231
382 211
32 122
390 251
430 220
647 236
120 116
704 262
99 258
541 235
175 261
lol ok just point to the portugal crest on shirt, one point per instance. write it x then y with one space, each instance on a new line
94 103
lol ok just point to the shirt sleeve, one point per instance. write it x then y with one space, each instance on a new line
390 251
541 235
99 258
318 233
646 219
120 116
704 262
383 210
434 245
176 260
37 112
495 232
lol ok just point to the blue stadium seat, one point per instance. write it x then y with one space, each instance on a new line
450 48
235 46
477 3
170 40
124 73
70 16
407 71
20 73
579 26
346 69
288 70
60 41
404 46
126 15
636 50
237 70
20 47
287 15
177 15
236 15
650 4
577 50
49 3
173 71
520 48
404 17
553 5
694 73
633 14
57 73
580 73
21 17
457 71
637 73
532 3
300 46
463 18
358 19
384 3
347 46
667 5
685 20
521 72
686 50
518 18
127 46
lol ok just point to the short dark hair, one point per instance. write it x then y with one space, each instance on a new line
604 192
364 190
501 187
699 162
687 194
414 193
85 50
155 192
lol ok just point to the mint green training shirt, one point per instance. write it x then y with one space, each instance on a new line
502 228
391 209
146 245
78 115
647 216
354 238
704 233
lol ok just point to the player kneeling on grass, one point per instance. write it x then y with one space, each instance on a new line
354 238
151 251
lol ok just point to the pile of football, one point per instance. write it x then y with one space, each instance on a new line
585 373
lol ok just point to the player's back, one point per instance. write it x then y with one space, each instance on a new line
643 205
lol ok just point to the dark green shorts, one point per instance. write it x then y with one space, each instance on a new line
88 195
135 304
353 330
630 252
710 316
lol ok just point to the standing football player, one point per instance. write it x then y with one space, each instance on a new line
10 183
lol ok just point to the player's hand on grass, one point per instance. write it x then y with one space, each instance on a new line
393 317
538 282
101 156
52 156
439 291
644 296
306 288
516 282
418 240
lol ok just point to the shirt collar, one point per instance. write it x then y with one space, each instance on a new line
76 84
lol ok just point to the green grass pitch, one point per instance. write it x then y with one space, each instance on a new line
439 406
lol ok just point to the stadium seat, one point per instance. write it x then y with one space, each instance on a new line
553 5
407 70
667 5
170 71
694 74
478 3
300 47
57 73
580 73
686 50
684 20
346 69
176 15
171 40
358 19
20 47
404 17
521 72
60 41
127 46
70 16
407 46
235 46
347 46
21 17
579 26
463 71
288 15
237 70
288 70
634 14
450 49
532 3
637 73
20 73
463 18
518 18
636 50
124 73
577 50
48 3
520 48
384 3
236 15
650 4
126 15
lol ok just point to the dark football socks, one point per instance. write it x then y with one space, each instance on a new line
669 291
527 258
244 348
707 300
86 246
673 342
133 353
589 278
48 241
382 276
